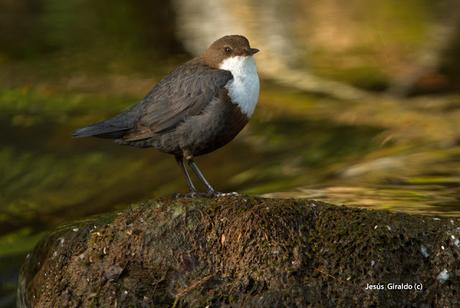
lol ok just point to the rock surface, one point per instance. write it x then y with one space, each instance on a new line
245 251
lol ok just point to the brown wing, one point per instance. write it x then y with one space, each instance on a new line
183 93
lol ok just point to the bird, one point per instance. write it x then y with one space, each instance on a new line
196 109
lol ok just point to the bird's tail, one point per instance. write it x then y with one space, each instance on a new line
111 128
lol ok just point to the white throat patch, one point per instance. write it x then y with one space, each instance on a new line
243 89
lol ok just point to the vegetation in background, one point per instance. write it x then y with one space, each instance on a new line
70 63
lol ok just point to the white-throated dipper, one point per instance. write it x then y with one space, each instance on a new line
199 107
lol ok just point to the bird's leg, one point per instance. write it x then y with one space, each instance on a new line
188 179
200 175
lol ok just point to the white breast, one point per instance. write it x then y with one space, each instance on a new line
243 89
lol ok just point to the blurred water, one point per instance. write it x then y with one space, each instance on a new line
67 64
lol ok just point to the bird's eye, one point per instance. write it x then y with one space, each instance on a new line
228 49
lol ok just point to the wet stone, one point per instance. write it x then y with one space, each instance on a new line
244 251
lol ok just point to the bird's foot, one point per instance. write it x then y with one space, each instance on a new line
221 194
192 194
209 194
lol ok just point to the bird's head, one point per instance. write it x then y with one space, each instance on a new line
227 47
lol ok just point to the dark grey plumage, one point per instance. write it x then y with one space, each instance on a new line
188 113
183 93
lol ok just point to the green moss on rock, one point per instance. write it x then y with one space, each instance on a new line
244 251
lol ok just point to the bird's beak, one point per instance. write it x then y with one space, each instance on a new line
252 51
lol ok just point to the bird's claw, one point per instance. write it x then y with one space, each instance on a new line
192 194
209 194
221 194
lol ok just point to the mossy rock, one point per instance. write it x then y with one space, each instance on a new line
245 251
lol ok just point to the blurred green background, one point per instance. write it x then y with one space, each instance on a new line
359 105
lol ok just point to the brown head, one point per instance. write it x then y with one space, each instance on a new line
226 47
